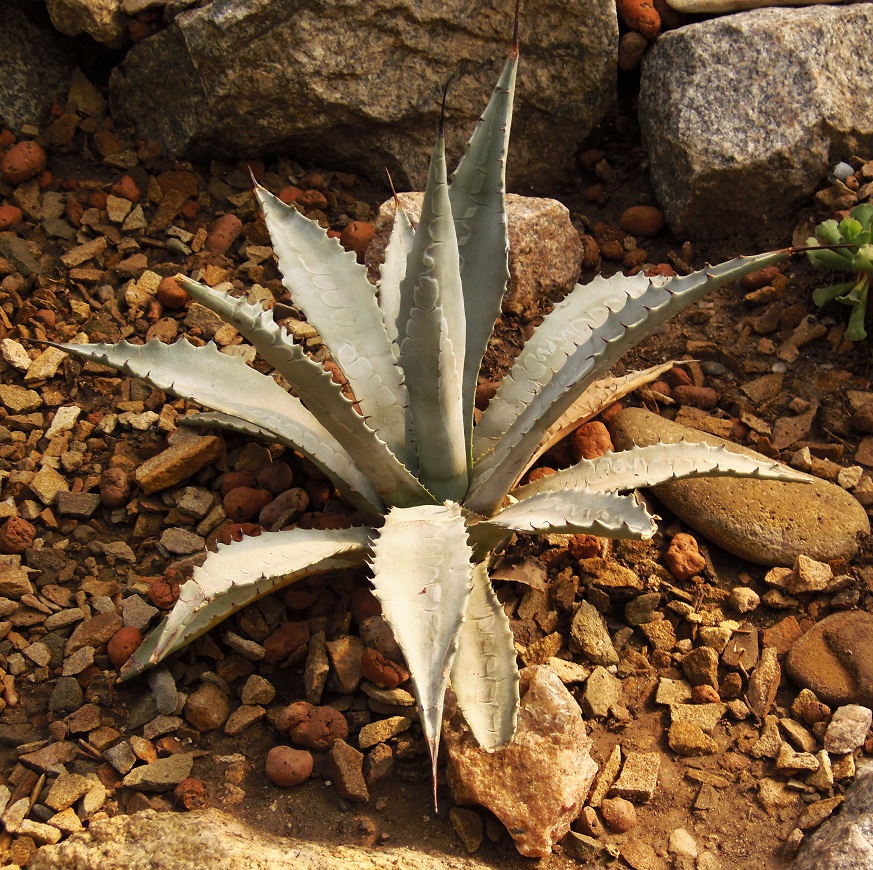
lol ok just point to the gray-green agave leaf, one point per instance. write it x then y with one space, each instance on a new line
241 573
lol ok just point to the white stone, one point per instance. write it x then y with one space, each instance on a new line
848 729
14 354
63 421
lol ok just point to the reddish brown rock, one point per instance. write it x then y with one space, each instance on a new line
286 766
276 476
383 672
683 558
93 632
10 216
356 236
311 726
619 814
16 535
123 644
585 546
591 440
191 794
22 161
289 639
178 462
640 15
171 295
704 398
114 487
243 503
223 233
641 220
126 188
535 785
207 707
164 591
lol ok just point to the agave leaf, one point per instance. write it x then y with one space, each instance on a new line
570 363
658 463
355 486
431 329
227 385
423 577
484 673
598 396
239 574
394 268
477 195
318 391
578 511
331 288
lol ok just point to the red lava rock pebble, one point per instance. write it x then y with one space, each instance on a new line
310 199
126 188
290 638
223 233
363 604
114 487
585 546
244 502
276 476
98 199
640 15
237 531
591 440
356 236
74 211
10 215
704 398
289 194
287 766
232 479
683 558
123 644
313 727
191 794
704 695
642 220
619 814
16 535
383 672
163 592
22 161
171 295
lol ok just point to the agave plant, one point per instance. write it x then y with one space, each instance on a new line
439 493
851 250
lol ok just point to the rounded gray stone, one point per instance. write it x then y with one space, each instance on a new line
769 522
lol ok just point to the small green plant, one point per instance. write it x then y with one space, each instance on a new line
435 489
850 249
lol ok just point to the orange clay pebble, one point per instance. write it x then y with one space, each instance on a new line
356 236
22 161
10 215
223 233
171 295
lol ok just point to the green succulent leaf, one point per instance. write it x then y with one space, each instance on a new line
240 573
658 463
582 343
423 577
580 511
331 288
478 204
317 390
823 295
840 260
849 228
431 328
227 385
484 674
828 230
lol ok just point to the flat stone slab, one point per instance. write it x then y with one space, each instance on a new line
769 522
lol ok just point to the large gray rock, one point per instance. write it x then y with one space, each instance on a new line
545 251
769 522
211 839
359 84
35 67
742 115
845 840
